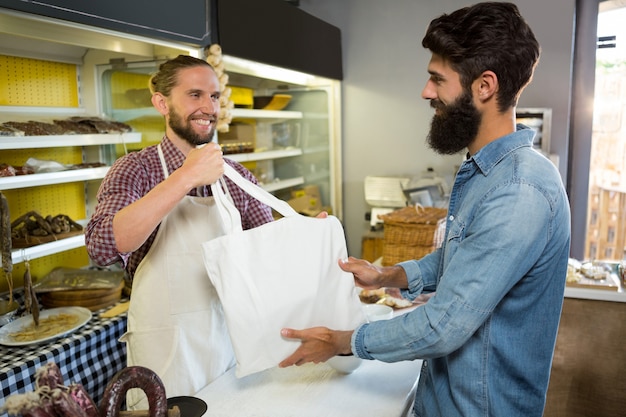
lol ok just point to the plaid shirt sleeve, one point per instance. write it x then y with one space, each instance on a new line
133 176
129 179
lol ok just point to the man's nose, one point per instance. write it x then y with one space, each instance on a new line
428 93
211 106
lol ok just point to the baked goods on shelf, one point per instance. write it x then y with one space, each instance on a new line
33 229
76 125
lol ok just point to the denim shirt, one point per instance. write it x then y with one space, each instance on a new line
487 335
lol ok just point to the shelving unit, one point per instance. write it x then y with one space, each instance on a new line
299 146
311 159
31 142
62 177
45 249
261 156
75 175
275 185
268 116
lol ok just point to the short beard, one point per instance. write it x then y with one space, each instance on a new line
186 132
456 125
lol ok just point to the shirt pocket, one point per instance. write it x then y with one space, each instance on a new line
454 237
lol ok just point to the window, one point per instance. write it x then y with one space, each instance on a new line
597 171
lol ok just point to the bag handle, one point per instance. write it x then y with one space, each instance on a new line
228 213
259 193
231 217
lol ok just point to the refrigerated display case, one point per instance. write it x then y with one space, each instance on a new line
288 149
295 147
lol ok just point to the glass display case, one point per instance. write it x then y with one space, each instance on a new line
293 148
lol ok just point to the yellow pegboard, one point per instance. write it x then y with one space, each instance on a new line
33 82
63 155
38 83
51 199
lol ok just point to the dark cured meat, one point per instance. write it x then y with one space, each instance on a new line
29 129
134 377
49 128
82 398
46 404
72 127
48 375
30 296
103 126
9 131
37 412
6 243
7 170
65 406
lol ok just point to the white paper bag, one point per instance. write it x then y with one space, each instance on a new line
281 274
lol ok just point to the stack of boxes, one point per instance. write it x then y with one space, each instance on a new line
307 201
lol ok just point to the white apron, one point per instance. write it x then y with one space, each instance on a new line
176 324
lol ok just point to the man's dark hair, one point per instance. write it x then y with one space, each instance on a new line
164 80
487 36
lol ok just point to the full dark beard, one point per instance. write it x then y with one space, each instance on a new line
455 127
184 130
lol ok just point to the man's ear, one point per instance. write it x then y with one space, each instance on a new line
487 85
160 103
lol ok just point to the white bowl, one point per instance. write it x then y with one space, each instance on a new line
344 364
375 312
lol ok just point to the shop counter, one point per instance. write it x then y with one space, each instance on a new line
375 389
599 294
587 377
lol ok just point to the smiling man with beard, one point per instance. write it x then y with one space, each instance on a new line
154 210
487 335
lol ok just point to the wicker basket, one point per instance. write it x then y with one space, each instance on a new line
409 233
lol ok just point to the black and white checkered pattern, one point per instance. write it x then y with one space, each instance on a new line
91 356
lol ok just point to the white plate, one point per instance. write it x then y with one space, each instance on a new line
84 315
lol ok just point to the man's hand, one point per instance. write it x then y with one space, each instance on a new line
371 277
366 275
318 345
322 215
203 165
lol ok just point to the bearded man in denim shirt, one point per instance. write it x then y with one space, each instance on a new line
487 335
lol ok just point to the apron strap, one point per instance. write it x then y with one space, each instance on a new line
163 164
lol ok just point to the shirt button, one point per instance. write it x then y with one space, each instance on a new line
451 218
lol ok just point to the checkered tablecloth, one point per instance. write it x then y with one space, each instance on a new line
90 356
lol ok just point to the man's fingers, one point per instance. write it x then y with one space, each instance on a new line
290 333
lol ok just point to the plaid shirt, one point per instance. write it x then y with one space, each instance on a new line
133 176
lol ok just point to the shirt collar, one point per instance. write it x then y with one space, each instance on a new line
173 156
489 156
